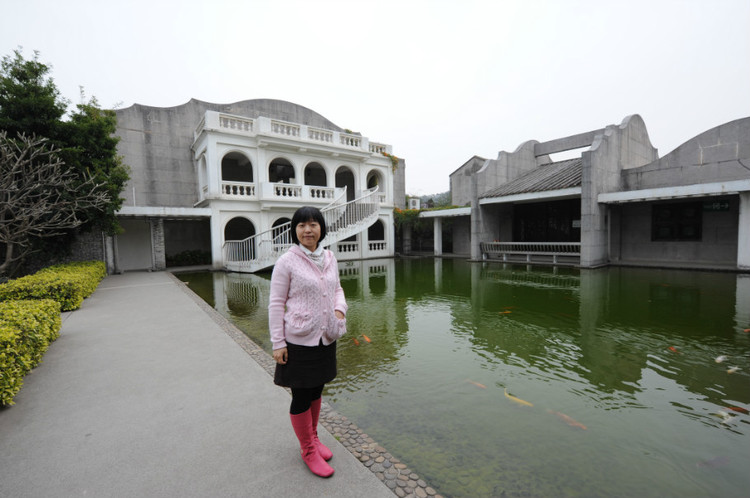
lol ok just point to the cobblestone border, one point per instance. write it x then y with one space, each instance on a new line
395 474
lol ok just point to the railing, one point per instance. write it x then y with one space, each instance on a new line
533 252
214 120
343 219
238 189
274 191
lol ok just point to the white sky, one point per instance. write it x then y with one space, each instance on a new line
441 81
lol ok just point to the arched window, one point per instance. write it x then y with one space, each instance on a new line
345 178
238 228
280 171
282 235
235 167
374 180
315 174
376 232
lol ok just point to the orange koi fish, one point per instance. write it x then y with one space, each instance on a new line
746 330
476 383
568 420
505 312
731 370
356 342
739 409
673 349
517 400
366 338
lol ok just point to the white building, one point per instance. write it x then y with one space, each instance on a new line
206 176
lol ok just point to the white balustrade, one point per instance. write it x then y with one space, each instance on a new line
238 189
286 190
347 247
283 128
350 140
320 135
376 148
244 125
377 245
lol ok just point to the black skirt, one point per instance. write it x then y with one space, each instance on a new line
307 366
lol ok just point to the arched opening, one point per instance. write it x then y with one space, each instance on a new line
376 232
374 180
281 233
315 174
280 171
345 178
235 167
238 229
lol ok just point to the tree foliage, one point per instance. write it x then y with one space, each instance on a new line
83 142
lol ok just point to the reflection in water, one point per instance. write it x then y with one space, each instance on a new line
618 363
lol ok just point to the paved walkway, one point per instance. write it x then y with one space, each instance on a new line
146 395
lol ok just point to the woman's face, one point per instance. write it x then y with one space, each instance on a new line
308 234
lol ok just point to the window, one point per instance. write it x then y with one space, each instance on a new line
676 221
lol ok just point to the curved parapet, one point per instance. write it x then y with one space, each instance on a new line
716 155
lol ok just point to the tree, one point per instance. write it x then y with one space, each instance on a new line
39 196
84 142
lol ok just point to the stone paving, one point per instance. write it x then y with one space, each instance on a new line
395 474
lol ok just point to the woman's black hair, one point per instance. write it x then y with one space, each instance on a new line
308 213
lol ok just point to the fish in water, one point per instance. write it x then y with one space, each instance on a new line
366 338
731 370
476 383
568 420
720 359
739 409
673 349
714 462
724 416
356 342
517 400
505 312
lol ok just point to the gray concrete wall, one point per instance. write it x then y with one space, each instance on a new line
134 245
155 143
462 235
717 247
399 185
617 148
460 181
712 156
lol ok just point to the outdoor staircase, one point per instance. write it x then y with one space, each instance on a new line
343 219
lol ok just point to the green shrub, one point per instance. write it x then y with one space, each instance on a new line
26 329
68 284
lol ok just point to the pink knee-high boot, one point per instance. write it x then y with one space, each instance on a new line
322 449
302 424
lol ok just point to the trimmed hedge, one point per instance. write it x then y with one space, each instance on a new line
26 329
68 284
30 316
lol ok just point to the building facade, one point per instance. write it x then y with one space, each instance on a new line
207 175
615 202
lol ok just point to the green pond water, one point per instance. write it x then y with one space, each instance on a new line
496 380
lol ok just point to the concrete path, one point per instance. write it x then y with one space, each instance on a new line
145 395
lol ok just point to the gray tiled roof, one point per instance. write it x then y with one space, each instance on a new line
553 176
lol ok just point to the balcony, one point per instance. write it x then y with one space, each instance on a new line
283 130
267 191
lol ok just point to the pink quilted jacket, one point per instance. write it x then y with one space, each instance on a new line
303 301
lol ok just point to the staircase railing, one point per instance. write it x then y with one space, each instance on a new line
343 219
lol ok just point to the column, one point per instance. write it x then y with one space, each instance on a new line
438 236
743 233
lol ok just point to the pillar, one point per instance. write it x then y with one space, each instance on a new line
438 236
743 233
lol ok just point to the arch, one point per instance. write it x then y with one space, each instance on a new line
281 236
202 176
345 178
375 178
238 228
281 170
236 167
376 232
315 174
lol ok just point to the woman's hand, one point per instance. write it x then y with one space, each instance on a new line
340 315
280 356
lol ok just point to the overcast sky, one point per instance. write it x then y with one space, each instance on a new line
441 81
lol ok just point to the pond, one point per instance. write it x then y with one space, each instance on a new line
499 380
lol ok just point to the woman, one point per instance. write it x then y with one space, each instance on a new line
306 315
